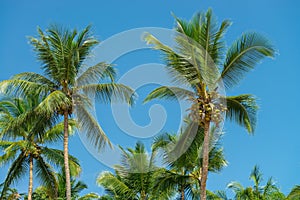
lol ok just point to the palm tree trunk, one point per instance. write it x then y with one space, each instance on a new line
182 194
205 161
30 187
66 156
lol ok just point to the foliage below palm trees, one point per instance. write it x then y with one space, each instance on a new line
134 179
269 191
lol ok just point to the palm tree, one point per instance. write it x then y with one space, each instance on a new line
198 61
69 84
183 175
295 193
27 149
133 180
267 192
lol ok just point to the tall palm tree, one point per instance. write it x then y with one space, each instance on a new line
134 178
27 149
182 174
199 60
69 84
267 192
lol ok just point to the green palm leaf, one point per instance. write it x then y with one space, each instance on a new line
22 87
15 172
182 69
110 92
90 128
56 158
242 109
53 103
55 134
173 93
46 174
36 78
243 55
111 182
96 73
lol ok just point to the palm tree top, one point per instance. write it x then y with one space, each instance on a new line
62 52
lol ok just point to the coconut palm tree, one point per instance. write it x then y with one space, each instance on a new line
295 193
69 83
199 60
267 192
182 174
134 178
27 148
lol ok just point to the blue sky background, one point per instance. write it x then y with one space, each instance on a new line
275 146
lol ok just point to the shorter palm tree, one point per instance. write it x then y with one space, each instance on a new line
183 175
267 192
26 148
134 178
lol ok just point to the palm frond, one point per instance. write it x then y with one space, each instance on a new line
10 150
54 102
36 78
181 68
22 87
110 92
17 170
111 182
218 46
256 177
46 175
242 109
235 186
243 55
45 54
89 196
56 158
55 133
85 42
78 187
168 180
89 127
173 93
96 73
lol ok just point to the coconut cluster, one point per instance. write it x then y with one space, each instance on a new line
207 109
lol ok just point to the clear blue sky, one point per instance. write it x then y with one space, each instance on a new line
275 146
